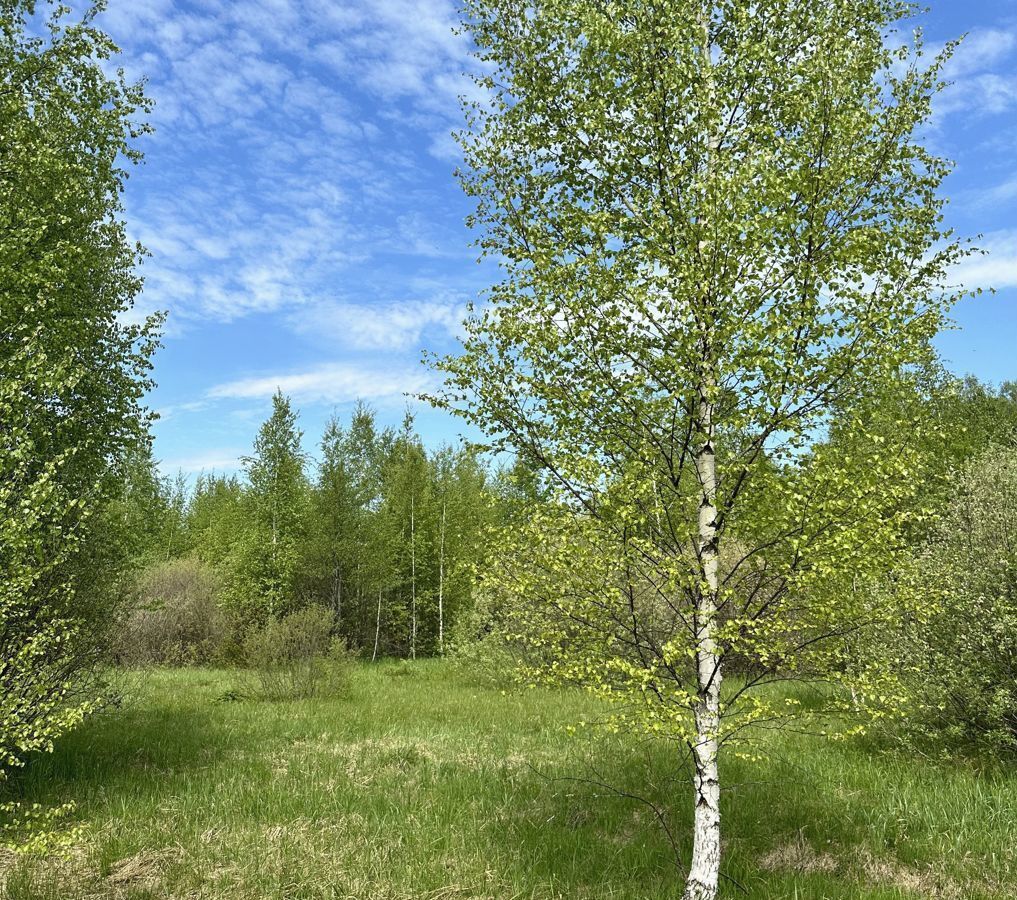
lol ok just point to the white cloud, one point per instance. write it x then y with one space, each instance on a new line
380 326
997 268
981 50
333 383
978 86
290 122
989 198
215 460
166 413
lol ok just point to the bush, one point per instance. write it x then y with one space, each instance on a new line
297 656
177 621
962 655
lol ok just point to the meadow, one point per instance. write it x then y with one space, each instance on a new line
418 782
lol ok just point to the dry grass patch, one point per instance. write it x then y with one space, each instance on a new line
144 869
799 856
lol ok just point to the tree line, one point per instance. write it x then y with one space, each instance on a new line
380 531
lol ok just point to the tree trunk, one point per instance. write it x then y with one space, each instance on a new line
441 585
337 593
377 628
413 581
704 871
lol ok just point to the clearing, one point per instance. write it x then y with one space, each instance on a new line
419 783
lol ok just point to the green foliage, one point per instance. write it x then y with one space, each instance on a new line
342 561
73 370
700 281
386 535
214 518
266 556
960 653
950 421
975 415
392 536
297 656
149 511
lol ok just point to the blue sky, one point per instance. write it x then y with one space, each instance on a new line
306 231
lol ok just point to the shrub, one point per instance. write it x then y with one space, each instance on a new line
297 656
177 621
962 657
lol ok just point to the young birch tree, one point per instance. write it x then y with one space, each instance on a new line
73 369
717 224
266 560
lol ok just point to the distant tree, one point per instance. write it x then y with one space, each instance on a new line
214 518
719 230
950 421
276 499
405 500
462 510
975 416
73 369
149 512
342 560
392 535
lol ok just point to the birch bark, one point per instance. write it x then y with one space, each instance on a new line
704 869
441 585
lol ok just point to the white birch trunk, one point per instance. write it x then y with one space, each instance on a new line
413 582
704 871
441 585
377 628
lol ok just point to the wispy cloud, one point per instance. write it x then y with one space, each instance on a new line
392 326
333 383
997 268
982 74
288 118
981 50
980 199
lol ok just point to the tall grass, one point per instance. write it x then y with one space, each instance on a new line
418 784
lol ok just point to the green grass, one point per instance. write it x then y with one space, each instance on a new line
420 784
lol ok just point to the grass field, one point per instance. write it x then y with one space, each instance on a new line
420 784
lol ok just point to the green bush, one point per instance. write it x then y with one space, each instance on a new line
297 656
177 621
961 658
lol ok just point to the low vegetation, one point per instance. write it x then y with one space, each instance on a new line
417 783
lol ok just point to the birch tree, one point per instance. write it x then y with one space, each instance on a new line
278 496
347 488
406 493
718 224
73 370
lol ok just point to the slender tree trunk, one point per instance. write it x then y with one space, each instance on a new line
377 628
413 581
358 610
441 585
337 592
704 869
